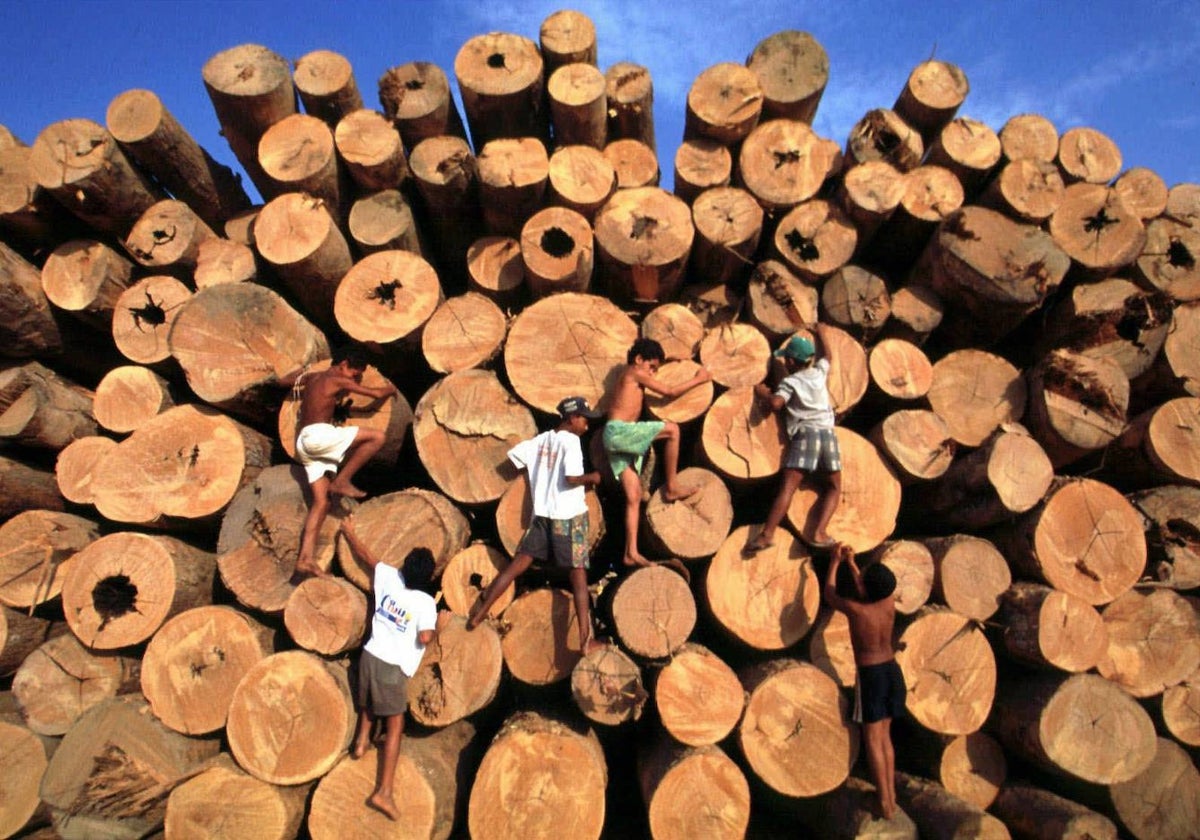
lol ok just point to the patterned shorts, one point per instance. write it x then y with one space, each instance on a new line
562 541
812 449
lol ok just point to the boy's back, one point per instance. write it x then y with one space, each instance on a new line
548 459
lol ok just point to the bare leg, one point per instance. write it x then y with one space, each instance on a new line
783 498
306 563
583 610
889 769
382 797
672 492
362 735
633 503
366 443
495 589
877 736
826 506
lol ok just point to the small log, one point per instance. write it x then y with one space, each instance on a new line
325 82
459 674
416 97
298 155
249 807
1041 815
1163 801
882 134
464 332
20 635
724 103
916 312
950 672
290 718
783 162
696 527
25 757
728 224
1168 259
500 79
971 767
971 575
792 69
1160 445
213 647
557 251
386 298
567 37
1097 230
143 315
912 564
1171 517
24 487
630 93
699 698
830 648
40 409
1151 641
39 547
578 105
794 711
1144 191
29 218
240 227
1025 190
1180 717
768 603
1047 628
1076 404
167 237
606 685
495 269
701 165
581 179
541 645
513 172
384 221
676 328
564 763
776 299
1029 136
899 370
447 179
969 149
856 300
653 612
370 147
515 510
224 261
976 392
940 815
850 812
468 574
868 194
692 792
931 194
815 239
76 465
326 615
1176 370
86 277
1085 154
736 355
635 163
931 96
129 396
740 439
152 136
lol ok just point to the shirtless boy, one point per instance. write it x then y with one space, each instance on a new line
322 446
627 438
879 690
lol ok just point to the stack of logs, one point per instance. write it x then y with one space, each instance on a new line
1016 368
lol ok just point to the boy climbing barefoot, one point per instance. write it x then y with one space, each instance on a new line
879 691
627 439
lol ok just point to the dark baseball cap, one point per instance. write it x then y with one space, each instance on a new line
577 405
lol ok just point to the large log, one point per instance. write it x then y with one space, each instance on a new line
581 179
1029 136
325 82
129 397
635 163
168 237
459 674
868 194
976 392
740 439
916 442
931 96
815 239
931 194
1144 191
830 649
76 464
643 239
851 812
36 552
1152 641
447 179
61 679
696 527
1159 445
465 331
1097 229
698 696
1041 815
857 300
950 672
469 573
1181 711
792 69
224 803
776 299
298 155
606 685
724 103
1077 404
653 612
1025 190
971 767
940 815
971 574
630 93
40 409
1171 515
326 615
969 149
578 99
513 172
784 162
557 251
29 218
515 510
737 355
384 221
416 97
1168 259
495 269
86 277
25 487
25 757
1088 155
692 792
541 645
728 224
1163 801
1047 628
912 564
500 78
386 297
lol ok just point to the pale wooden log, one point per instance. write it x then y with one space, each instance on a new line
1160 445
325 82
38 549
815 239
644 237
25 758
796 734
543 357
1163 801
40 409
971 574
777 301
298 236
152 136
20 635
578 105
564 763
567 37
129 396
1029 136
468 574
384 221
975 392
912 564
290 718
792 69
248 807
783 162
25 487
1171 517
1047 628
27 324
850 812
1038 814
371 149
463 428
1180 715
581 179
459 674
635 163
931 195
416 97
1168 259
700 165
882 134
696 527
112 772
916 312
327 616
899 370
224 261
728 225
653 612
541 645
689 405
676 328
971 767
394 524
931 96
9 140
298 155
969 149
630 93
1097 229
447 179
240 227
1176 370
495 269
501 83
868 194
830 648
251 89
736 355
1025 190
143 315
1076 404
61 679
740 439
1143 191
870 501
768 603
724 103
940 815
386 298
76 464
513 172
1082 726
1151 641
557 252
465 331
856 300
80 164
698 696
29 217
1088 155
606 685
950 672
692 791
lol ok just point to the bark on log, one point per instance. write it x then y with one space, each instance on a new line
971 575
129 396
1176 370
1046 628
856 300
325 82
792 69
916 312
248 807
416 97
740 439
737 355
386 298
1088 155
940 815
327 616
1171 517
701 165
61 679
635 163
931 195
692 792
371 149
37 550
950 672
20 636
769 602
240 227
724 103
25 757
384 221
500 79
653 612
459 674
195 661
567 37
447 179
931 96
912 564
1168 258
1029 136
564 763
1097 230
290 718
1161 445
578 105
1144 191
469 573
1163 801
630 93
643 239
783 162
1183 201
868 194
143 316
698 696
581 179
1038 814
24 487
696 527
969 149
27 325
850 812
776 299
1025 190
464 332
1082 726
606 685
557 252
1152 641
815 239
512 182
40 409
86 277
882 134
152 136
515 511
728 224
541 642
976 392
796 734
1076 404
495 269
76 464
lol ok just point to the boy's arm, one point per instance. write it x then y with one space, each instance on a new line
856 576
656 385
586 480
427 635
840 553
353 386
356 545
824 345
768 396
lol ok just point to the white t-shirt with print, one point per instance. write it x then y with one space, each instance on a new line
400 614
548 459
806 398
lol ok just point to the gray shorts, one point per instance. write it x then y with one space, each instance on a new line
814 449
380 687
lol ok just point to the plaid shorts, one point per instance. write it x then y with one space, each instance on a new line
563 541
813 448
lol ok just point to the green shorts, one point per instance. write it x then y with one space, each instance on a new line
626 443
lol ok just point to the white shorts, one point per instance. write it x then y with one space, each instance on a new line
320 448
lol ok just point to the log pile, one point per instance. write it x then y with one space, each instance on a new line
1015 335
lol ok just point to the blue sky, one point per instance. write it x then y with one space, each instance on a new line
1129 70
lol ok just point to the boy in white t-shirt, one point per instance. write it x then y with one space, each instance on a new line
803 396
403 623
558 531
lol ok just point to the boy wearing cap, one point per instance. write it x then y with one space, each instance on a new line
879 691
813 448
558 531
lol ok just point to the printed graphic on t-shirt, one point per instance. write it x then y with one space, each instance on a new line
394 614
547 454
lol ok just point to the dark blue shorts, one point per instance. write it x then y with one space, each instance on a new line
879 693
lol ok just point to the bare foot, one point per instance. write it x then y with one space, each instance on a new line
385 804
756 545
346 489
309 568
822 541
678 494
593 645
358 750
634 560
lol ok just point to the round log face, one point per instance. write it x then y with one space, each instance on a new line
770 601
645 226
1168 259
458 675
339 804
912 564
688 405
1071 635
541 646
498 64
900 369
703 795
1088 155
383 220
81 274
815 239
1030 189
326 615
1181 710
740 438
972 574
792 716
582 178
696 526
724 102
464 332
20 750
469 573
973 768
1152 641
634 161
1164 799
917 442
699 697
701 164
248 70
676 328
792 68
1029 136
607 686
61 680
882 135
784 162
143 317
386 296
653 612
778 300
292 228
830 649
1173 439
128 396
40 555
1019 470
950 672
416 96
225 803
974 392
495 267
1095 731
557 250
73 469
1095 227
167 234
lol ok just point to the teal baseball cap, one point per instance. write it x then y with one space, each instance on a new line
798 347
